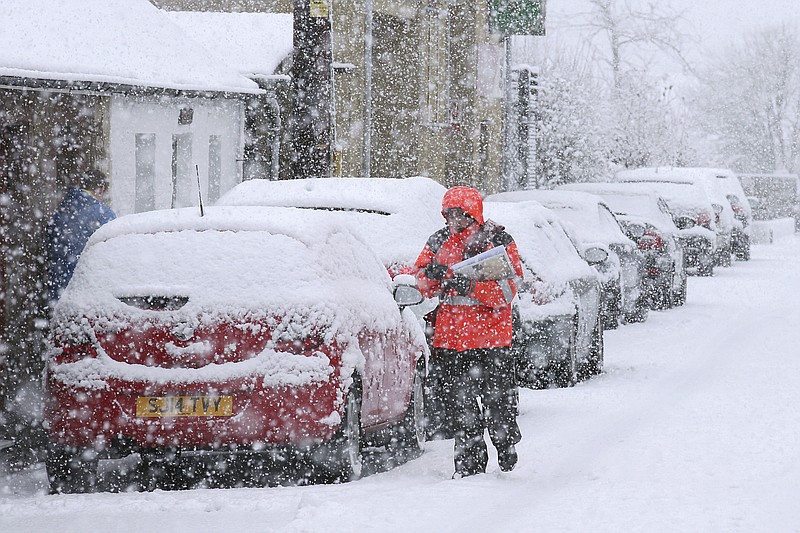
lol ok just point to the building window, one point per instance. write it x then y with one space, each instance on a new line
435 71
145 194
214 167
182 171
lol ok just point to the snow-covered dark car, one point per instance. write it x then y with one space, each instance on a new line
693 215
559 335
236 333
646 219
725 222
591 226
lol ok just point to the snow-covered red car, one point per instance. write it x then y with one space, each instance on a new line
236 332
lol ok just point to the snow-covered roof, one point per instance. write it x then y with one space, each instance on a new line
252 43
544 248
127 42
395 216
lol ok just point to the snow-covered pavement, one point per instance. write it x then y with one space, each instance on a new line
693 427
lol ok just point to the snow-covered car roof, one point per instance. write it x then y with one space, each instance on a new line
128 42
580 210
236 261
705 178
633 202
545 249
681 197
394 216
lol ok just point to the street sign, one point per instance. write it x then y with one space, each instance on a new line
318 9
518 17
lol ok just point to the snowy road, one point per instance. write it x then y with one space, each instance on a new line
694 427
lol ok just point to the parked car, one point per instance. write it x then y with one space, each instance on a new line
558 337
729 183
394 216
725 223
246 330
693 215
591 225
646 220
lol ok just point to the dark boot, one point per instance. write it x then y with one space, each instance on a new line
507 458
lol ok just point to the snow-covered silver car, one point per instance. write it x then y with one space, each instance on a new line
591 225
646 219
725 222
559 333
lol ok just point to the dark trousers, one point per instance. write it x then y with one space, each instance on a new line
464 378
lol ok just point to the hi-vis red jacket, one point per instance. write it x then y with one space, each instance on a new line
481 318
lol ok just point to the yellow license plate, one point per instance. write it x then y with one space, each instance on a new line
168 406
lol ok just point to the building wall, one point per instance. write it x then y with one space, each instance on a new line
157 155
436 94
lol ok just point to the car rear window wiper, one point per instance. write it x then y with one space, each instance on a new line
155 303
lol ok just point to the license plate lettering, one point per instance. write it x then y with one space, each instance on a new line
170 406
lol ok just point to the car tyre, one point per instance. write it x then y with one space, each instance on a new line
160 469
339 460
71 470
411 432
706 266
679 297
610 309
566 371
595 363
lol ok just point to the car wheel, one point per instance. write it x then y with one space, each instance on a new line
706 266
71 470
411 433
565 373
660 297
339 460
160 469
743 250
611 309
595 366
639 313
679 297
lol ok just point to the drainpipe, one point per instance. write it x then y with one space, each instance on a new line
272 102
365 168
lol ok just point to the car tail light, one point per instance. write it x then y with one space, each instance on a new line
73 347
73 342
704 219
304 346
651 240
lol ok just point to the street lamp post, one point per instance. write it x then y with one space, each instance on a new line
312 78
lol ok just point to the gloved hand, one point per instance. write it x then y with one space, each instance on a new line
435 270
460 284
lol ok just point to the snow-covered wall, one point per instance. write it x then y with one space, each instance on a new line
157 142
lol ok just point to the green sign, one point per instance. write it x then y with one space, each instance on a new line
518 17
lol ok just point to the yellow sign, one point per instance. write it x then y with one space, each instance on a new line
169 406
318 9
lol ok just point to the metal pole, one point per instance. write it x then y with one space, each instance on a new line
366 163
508 164
311 124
